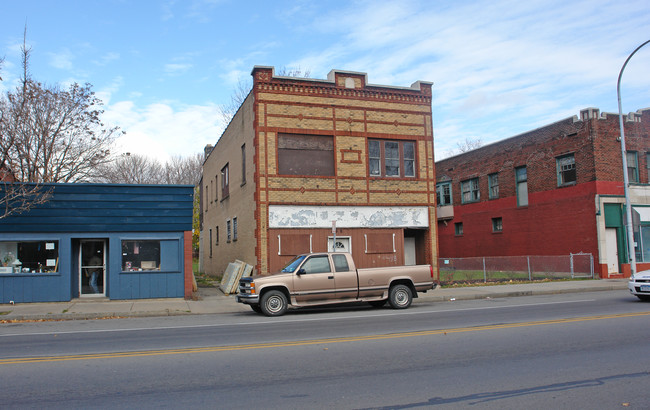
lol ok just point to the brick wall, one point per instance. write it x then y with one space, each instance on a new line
557 220
348 109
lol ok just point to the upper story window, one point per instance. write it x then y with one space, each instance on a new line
458 228
390 158
243 164
225 182
300 154
521 178
566 170
443 193
207 195
470 191
493 186
632 166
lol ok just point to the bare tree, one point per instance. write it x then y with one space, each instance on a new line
139 169
15 197
244 87
465 146
51 134
183 170
131 169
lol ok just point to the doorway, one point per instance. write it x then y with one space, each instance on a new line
611 245
92 268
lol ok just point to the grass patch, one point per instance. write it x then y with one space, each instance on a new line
5 312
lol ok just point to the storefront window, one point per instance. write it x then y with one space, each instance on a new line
29 257
140 255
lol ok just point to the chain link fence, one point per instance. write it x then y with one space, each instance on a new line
516 268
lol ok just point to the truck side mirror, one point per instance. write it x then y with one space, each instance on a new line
301 272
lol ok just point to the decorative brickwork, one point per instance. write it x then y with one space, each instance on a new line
350 110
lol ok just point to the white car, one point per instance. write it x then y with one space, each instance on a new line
639 285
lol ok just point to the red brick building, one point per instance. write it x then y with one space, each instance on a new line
551 191
301 153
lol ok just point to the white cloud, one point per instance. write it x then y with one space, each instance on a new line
177 68
107 58
162 130
62 59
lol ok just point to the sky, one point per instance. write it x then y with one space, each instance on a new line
500 68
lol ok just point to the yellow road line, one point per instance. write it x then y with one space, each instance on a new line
145 353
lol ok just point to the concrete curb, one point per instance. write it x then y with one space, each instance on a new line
214 302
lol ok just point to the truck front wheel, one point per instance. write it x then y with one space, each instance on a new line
274 303
400 297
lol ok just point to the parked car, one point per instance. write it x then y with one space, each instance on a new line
328 278
639 285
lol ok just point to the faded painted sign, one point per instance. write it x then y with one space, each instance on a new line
289 216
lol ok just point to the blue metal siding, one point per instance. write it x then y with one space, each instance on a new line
166 283
111 212
108 208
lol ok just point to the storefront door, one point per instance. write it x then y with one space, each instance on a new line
92 272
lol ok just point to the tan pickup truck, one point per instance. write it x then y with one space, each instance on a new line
328 278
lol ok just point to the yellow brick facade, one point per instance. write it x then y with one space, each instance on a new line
349 111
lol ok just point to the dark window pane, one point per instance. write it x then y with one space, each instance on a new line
374 167
409 151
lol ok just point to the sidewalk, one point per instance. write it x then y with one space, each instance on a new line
212 301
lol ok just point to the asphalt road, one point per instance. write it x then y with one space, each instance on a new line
563 351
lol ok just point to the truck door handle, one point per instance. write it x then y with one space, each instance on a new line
330 277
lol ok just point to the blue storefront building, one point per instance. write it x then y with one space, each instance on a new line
99 241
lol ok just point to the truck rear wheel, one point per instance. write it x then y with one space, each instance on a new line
400 297
274 303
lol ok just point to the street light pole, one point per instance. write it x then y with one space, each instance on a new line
626 180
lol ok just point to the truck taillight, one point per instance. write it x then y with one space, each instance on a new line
431 269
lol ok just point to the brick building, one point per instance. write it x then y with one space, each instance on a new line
551 191
301 153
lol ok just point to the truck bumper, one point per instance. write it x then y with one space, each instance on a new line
248 299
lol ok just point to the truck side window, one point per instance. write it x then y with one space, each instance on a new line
340 263
317 264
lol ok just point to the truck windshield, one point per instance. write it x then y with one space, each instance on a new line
295 262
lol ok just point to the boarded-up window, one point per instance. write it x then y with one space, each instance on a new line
291 245
300 154
380 243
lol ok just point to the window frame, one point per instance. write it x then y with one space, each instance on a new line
561 178
130 266
635 170
493 185
497 224
519 183
225 181
45 256
243 164
306 155
228 231
474 190
234 228
440 186
458 229
382 160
